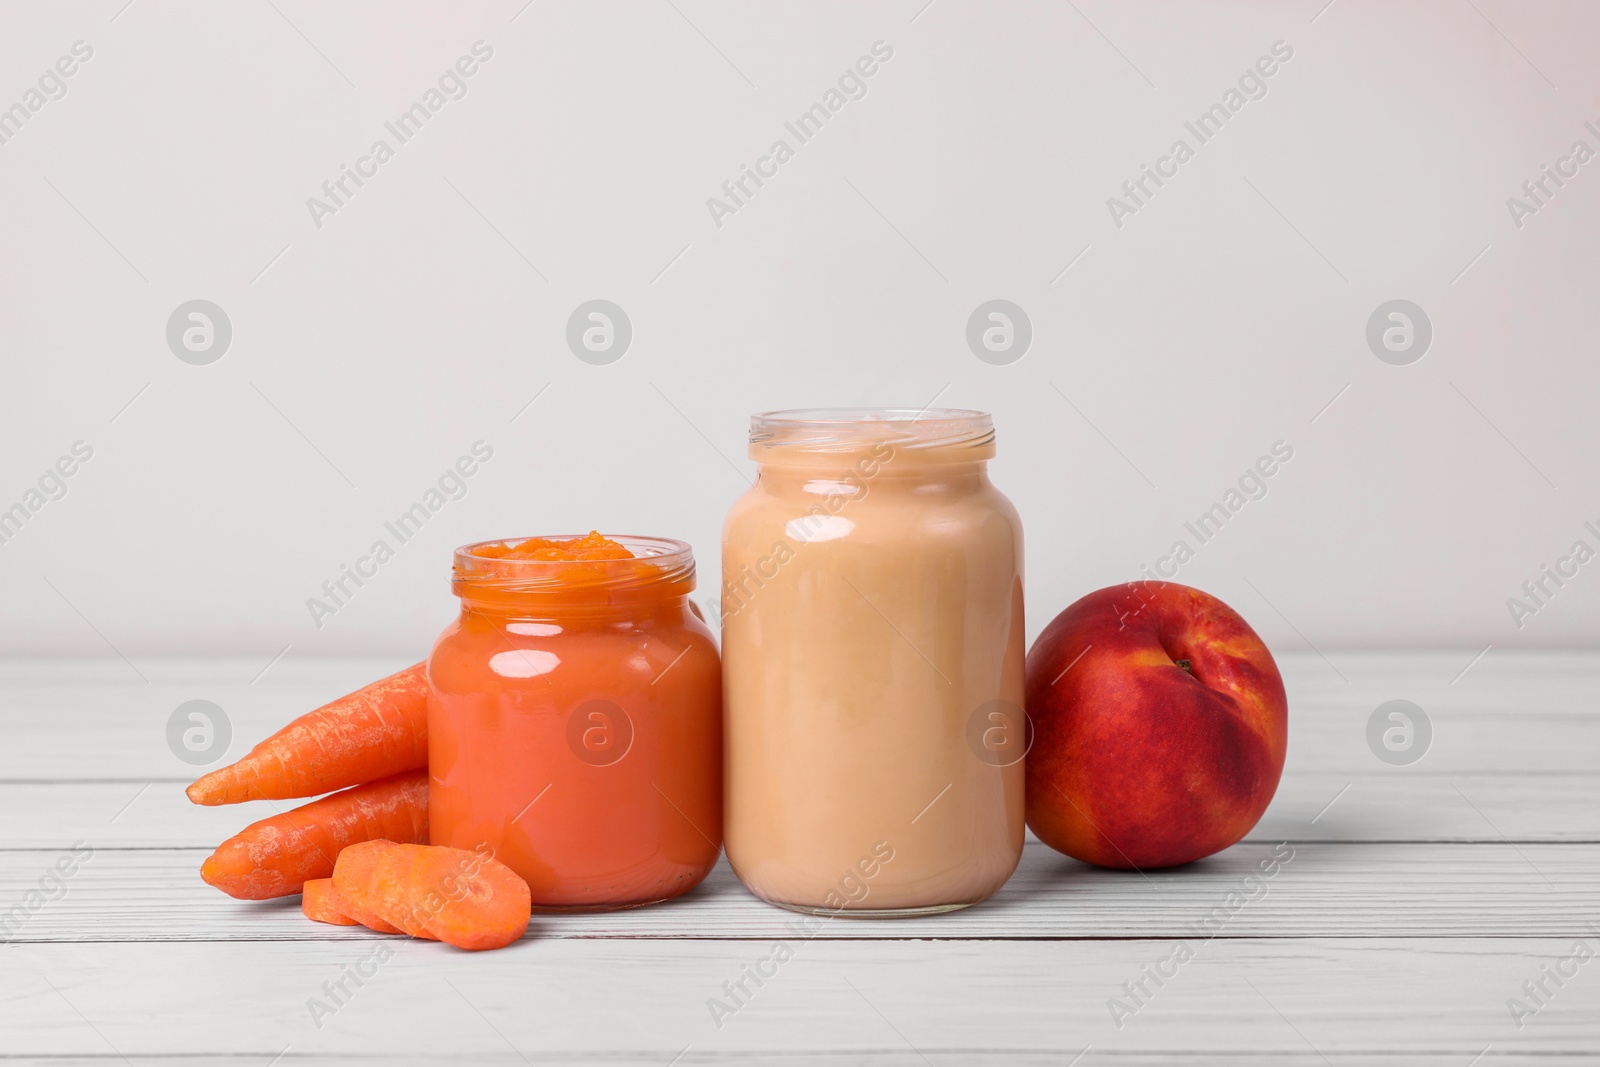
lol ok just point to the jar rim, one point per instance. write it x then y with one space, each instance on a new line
670 561
842 428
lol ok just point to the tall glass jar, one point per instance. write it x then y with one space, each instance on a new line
872 643
575 724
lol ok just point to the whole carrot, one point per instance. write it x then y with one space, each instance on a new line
276 856
379 730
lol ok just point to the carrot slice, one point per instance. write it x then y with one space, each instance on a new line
276 856
392 877
379 730
321 904
352 881
467 899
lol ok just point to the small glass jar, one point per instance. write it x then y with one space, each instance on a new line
872 643
575 725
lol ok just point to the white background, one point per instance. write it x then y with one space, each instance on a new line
369 353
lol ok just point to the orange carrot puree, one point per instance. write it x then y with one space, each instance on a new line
575 719
592 545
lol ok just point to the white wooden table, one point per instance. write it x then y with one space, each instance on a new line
1418 901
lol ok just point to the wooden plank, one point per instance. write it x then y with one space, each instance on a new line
855 1058
1405 804
1392 804
1325 889
552 1000
70 720
1522 712
861 1058
1512 754
1415 904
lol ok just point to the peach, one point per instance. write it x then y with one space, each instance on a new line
1160 726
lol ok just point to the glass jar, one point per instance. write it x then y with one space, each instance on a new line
575 724
872 644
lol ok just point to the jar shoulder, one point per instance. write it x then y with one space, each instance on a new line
761 516
482 653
